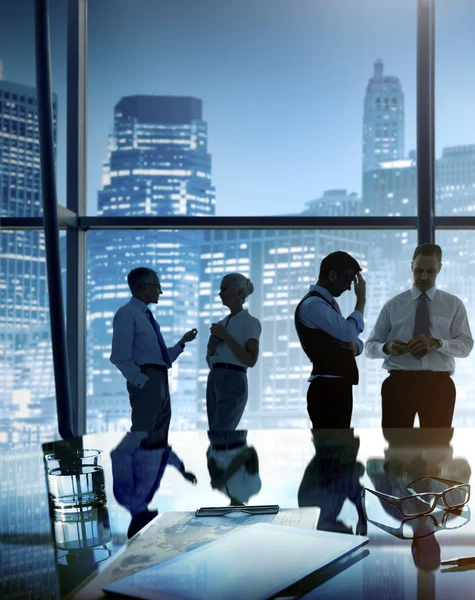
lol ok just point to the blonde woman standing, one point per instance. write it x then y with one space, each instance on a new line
233 347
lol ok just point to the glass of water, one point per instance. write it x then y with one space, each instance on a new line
75 480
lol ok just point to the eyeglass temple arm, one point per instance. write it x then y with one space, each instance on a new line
387 497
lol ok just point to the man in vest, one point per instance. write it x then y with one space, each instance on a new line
331 341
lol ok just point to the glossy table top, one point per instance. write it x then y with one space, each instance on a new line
44 556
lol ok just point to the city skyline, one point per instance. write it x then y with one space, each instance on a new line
143 173
296 88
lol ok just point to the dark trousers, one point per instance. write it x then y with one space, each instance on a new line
151 409
226 398
431 394
330 403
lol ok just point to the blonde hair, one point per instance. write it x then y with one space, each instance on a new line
239 281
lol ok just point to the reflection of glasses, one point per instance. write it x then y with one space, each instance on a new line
420 527
421 503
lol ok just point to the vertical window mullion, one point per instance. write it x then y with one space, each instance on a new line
76 202
425 120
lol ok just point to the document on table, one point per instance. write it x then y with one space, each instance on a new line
251 563
174 533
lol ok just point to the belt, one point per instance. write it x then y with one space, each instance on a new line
228 366
228 446
161 367
434 373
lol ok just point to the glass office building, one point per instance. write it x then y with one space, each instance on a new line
26 368
383 119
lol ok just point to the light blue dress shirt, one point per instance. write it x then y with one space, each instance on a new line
135 343
448 323
318 314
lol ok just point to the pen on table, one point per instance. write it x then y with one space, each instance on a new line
459 562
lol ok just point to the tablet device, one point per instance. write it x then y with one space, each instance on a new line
250 563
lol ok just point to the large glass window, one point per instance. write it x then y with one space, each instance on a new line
282 264
27 388
228 109
251 108
455 142
458 277
20 182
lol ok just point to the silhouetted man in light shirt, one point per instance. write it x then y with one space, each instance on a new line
141 355
419 333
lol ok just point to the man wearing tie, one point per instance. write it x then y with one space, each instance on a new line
419 333
331 341
141 355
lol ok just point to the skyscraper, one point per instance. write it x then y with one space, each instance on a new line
158 164
26 374
383 119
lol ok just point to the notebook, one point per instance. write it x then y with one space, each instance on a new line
252 563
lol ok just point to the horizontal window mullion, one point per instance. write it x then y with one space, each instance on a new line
36 223
269 223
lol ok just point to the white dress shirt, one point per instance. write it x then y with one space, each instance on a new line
448 323
242 327
135 343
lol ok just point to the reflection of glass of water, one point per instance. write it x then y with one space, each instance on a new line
82 529
75 480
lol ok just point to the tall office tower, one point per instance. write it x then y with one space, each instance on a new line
282 264
158 164
383 119
26 374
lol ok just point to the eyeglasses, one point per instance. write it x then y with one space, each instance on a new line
155 284
421 503
420 527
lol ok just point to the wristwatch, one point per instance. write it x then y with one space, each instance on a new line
439 343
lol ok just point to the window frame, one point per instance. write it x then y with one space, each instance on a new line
71 386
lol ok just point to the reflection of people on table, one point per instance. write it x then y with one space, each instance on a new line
138 465
414 454
233 465
333 476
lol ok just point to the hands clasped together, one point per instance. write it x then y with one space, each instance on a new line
419 343
218 336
